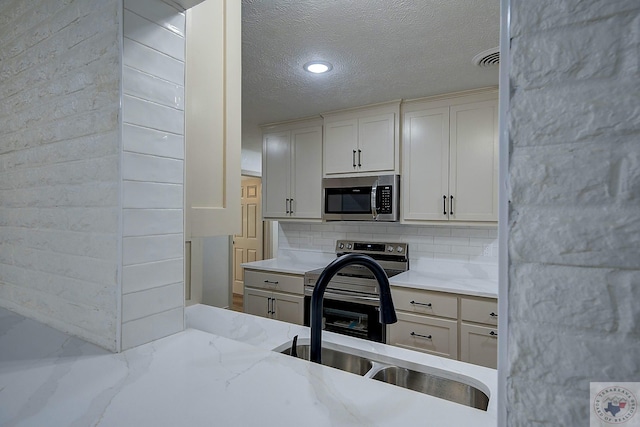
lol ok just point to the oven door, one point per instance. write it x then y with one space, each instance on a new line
348 317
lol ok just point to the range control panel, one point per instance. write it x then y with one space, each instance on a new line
371 248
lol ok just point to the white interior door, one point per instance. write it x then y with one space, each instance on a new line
247 246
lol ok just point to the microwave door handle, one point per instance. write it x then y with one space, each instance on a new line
374 191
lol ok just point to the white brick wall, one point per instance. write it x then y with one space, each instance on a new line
153 171
430 242
574 228
60 164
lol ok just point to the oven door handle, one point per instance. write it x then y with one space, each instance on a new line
335 294
374 198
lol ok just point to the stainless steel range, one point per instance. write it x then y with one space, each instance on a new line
351 302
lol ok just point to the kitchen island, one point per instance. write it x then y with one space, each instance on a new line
228 376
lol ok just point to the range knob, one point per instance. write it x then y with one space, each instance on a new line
349 245
341 246
399 249
390 248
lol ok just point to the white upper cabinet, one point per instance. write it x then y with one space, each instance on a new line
450 159
212 119
292 171
363 140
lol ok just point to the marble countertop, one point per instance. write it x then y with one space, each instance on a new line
466 278
227 376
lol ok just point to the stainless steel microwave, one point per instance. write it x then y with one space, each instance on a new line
363 198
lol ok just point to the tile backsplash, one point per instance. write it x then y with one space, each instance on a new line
479 244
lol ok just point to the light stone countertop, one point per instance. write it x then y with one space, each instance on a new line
466 278
229 378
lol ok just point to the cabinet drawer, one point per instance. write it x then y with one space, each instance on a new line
274 281
425 302
479 310
425 334
479 345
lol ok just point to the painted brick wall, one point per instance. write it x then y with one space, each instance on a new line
574 229
153 171
60 164
478 244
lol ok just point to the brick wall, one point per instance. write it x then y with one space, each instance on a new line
574 229
153 171
60 164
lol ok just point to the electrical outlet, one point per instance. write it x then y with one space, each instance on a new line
486 250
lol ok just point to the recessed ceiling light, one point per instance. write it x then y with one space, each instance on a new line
317 67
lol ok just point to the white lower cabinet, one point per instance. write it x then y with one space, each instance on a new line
479 345
447 325
479 331
275 296
425 333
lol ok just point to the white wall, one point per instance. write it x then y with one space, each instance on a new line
152 171
216 271
574 226
60 164
427 242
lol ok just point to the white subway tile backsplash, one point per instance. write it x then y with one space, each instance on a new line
446 242
139 277
143 167
152 62
146 86
145 303
153 35
151 141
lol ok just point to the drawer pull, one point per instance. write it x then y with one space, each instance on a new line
493 334
428 304
492 314
269 281
413 334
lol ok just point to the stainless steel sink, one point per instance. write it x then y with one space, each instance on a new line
435 386
336 359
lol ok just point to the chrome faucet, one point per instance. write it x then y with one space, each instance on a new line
387 311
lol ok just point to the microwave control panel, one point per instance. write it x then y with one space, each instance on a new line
386 197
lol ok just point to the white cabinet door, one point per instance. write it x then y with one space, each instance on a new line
425 179
473 172
376 146
479 345
277 161
306 173
212 119
288 308
257 302
340 146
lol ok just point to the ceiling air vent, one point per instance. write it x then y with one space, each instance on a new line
488 58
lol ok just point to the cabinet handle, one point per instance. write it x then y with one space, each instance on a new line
492 314
444 205
272 282
286 205
273 306
354 158
290 206
451 206
359 155
425 304
493 334
427 337
268 305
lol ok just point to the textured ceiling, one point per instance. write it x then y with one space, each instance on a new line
380 50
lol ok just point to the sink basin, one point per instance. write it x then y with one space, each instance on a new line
435 386
336 359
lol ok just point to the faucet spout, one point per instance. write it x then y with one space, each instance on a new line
387 310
